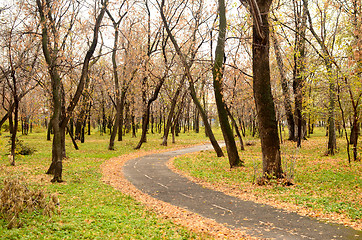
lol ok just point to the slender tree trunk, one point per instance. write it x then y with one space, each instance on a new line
217 72
134 130
49 130
242 148
146 114
285 88
89 118
117 95
343 122
16 115
298 72
268 128
121 119
332 142
73 139
172 111
191 85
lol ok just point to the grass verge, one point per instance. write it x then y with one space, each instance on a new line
90 208
325 186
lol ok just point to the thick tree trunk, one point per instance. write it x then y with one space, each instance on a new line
56 166
268 128
217 72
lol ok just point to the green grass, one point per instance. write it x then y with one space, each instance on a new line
90 208
326 183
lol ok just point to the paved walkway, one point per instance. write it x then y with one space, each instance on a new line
152 176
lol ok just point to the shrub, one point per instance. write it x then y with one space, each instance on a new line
16 198
21 147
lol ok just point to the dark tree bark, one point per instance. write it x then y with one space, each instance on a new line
298 71
116 83
268 128
16 117
120 93
217 72
59 122
73 139
146 114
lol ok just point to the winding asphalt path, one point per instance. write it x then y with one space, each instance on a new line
152 176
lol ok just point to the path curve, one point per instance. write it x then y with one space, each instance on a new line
151 175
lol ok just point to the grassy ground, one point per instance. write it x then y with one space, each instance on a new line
323 183
90 208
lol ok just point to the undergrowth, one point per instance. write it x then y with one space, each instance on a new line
16 199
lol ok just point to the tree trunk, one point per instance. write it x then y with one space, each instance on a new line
73 139
15 129
332 142
285 88
56 167
117 94
89 118
134 130
51 58
146 114
268 128
191 85
242 148
172 111
217 72
298 72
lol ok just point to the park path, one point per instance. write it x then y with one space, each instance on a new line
151 175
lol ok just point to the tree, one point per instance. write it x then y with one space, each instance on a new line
187 67
299 66
51 49
118 102
217 72
284 82
332 143
262 90
19 64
